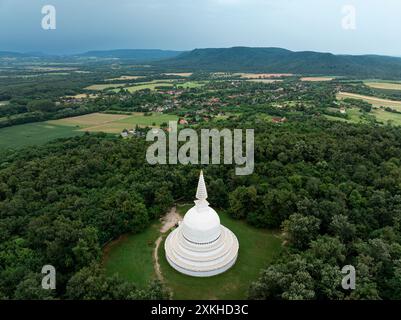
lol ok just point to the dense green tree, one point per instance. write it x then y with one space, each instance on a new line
242 201
300 230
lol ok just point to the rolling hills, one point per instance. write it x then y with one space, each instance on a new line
277 60
142 55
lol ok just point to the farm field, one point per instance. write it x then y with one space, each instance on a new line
83 96
264 80
114 123
263 75
386 117
383 85
34 134
41 132
180 74
125 78
100 87
131 258
316 79
382 116
164 83
376 102
134 87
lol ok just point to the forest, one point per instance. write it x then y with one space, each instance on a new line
332 188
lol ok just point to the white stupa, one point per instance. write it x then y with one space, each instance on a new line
201 246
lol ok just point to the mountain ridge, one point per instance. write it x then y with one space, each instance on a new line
279 60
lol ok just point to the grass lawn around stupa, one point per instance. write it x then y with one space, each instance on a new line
132 258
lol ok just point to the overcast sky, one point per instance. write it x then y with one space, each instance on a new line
186 24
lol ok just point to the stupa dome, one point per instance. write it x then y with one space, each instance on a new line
201 246
201 223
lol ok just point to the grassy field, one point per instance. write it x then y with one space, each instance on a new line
384 85
257 248
99 87
83 96
376 102
180 74
264 80
262 75
151 85
114 123
131 256
387 117
382 116
164 83
41 132
125 78
33 134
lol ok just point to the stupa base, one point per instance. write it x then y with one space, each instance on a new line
202 260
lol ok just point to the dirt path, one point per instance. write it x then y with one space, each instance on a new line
168 221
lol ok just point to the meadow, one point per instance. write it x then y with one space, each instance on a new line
383 85
385 117
381 116
131 258
151 85
376 102
262 75
41 132
316 79
125 78
33 134
180 74
100 87
115 123
265 80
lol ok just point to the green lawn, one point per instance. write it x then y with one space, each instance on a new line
131 256
33 133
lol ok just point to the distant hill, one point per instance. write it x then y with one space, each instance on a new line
13 54
133 54
277 60
10 54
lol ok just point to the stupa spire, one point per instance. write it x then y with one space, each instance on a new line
201 192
